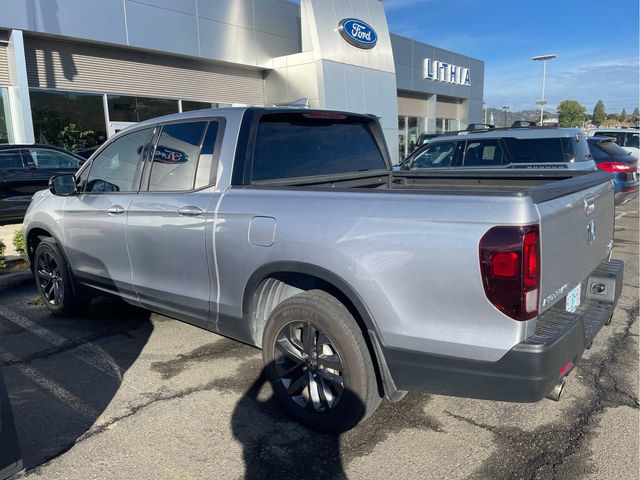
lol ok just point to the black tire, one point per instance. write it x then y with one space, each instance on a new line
58 292
345 386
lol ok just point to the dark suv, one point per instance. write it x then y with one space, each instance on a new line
25 169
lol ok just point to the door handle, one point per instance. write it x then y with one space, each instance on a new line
190 211
115 210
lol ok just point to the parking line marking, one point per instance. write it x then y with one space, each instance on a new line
87 354
58 391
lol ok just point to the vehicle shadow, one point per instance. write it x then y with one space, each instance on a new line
62 373
276 447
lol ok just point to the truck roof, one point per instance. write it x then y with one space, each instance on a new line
232 111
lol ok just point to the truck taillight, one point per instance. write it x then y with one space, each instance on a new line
510 268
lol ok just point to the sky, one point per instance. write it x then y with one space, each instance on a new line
597 43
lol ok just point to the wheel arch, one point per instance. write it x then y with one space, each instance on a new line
276 281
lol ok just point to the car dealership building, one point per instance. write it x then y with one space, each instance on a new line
74 72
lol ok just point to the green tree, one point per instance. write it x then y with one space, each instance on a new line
570 113
599 115
18 243
635 116
623 115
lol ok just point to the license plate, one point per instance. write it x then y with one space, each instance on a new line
573 299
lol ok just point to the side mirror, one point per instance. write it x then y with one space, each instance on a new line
63 185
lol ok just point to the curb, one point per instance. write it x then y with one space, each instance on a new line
16 279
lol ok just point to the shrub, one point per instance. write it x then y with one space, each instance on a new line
18 243
3 264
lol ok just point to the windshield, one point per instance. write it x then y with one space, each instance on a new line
434 155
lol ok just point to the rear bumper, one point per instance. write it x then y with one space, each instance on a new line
530 370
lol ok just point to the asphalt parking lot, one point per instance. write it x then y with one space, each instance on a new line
122 393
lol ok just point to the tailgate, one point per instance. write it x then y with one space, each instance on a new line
576 234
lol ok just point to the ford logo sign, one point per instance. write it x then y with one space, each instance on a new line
358 33
169 155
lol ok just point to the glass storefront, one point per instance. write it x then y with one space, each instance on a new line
402 136
409 129
189 105
78 121
5 117
136 109
447 125
415 126
69 120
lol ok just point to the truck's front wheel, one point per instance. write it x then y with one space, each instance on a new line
318 363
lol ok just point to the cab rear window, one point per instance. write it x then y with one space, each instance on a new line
303 145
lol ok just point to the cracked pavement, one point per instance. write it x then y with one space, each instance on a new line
122 393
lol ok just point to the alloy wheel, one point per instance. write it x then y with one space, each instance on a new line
309 367
50 279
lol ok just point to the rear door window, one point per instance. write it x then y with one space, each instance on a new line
50 159
10 159
483 153
301 145
175 158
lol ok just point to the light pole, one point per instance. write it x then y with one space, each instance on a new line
543 59
506 109
484 106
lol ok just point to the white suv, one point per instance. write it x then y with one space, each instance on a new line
627 138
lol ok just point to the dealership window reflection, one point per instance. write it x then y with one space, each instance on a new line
123 108
71 120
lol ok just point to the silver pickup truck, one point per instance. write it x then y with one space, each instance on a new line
288 230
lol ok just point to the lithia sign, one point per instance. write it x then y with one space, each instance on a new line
445 72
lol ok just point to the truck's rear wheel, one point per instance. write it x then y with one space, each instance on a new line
318 363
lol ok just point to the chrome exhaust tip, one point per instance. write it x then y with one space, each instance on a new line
556 392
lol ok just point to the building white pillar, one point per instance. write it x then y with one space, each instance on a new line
432 113
19 102
463 114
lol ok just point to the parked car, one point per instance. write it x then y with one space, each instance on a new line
627 138
624 166
526 147
87 151
25 169
288 230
